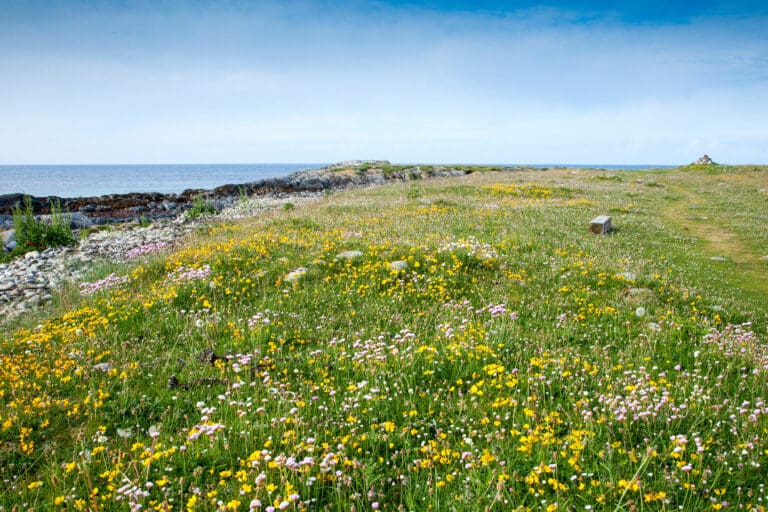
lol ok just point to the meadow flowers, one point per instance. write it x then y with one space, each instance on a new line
425 356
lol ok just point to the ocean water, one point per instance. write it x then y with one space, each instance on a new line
97 180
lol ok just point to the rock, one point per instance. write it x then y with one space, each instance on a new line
295 275
10 201
103 367
9 240
629 276
79 220
7 285
349 255
718 258
600 225
31 255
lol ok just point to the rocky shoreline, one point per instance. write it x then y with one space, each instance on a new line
152 206
32 279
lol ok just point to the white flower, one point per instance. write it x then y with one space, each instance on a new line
398 265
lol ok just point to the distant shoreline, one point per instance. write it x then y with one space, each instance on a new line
91 180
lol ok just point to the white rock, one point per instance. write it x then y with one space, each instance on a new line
103 367
296 274
349 255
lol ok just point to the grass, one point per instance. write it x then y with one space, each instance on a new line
482 351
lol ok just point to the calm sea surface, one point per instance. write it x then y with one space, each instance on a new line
96 180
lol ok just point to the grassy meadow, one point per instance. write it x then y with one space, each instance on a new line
457 344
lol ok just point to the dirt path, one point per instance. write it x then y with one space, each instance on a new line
718 241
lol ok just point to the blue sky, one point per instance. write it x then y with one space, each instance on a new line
409 81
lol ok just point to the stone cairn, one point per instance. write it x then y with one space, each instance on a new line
704 160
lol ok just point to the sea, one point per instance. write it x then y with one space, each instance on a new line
97 180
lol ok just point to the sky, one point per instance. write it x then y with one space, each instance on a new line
452 81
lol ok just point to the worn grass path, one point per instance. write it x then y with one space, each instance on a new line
687 206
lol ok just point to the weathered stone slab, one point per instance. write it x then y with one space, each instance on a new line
600 225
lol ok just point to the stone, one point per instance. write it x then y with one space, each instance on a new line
295 275
79 220
600 225
103 367
31 255
718 258
349 255
704 160
7 285
629 276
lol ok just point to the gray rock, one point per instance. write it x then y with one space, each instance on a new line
349 255
718 258
79 220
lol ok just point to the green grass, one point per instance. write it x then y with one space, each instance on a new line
483 352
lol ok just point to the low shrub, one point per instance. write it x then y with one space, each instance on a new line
35 234
200 207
